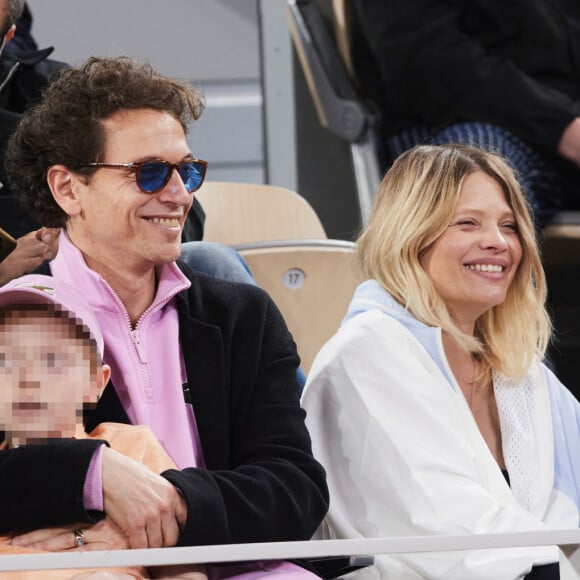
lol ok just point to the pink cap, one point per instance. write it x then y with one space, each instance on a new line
40 289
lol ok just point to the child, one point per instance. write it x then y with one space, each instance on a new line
51 350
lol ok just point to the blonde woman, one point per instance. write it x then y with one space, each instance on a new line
431 408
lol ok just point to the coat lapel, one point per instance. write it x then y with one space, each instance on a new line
205 366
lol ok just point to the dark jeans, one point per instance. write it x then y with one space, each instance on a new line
550 183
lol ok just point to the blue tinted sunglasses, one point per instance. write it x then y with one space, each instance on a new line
152 176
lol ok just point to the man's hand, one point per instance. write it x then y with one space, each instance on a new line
569 145
147 508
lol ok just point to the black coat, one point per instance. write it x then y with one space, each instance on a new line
261 481
23 77
13 217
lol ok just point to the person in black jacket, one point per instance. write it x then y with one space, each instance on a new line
503 74
209 365
24 72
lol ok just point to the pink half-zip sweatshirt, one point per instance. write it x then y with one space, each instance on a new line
146 362
148 371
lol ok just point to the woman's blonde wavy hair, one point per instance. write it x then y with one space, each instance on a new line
414 205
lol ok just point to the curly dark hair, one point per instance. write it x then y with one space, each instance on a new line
65 126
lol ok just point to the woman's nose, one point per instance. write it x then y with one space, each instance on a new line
493 238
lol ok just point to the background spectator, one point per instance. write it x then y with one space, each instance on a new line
503 74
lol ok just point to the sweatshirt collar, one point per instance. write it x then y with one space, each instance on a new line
71 266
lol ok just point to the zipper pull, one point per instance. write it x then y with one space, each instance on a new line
138 346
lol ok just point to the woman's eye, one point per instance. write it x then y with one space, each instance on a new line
510 226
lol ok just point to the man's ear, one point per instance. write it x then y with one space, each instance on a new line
65 187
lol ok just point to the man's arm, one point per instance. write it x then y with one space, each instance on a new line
261 482
42 485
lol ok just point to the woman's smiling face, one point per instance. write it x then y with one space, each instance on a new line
473 263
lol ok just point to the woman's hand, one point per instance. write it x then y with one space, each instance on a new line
31 250
104 535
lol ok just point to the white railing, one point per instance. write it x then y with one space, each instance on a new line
567 540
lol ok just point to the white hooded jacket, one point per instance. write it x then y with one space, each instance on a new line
404 455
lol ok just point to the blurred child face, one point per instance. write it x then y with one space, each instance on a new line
45 376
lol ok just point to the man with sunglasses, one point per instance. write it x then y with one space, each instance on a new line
24 72
208 365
